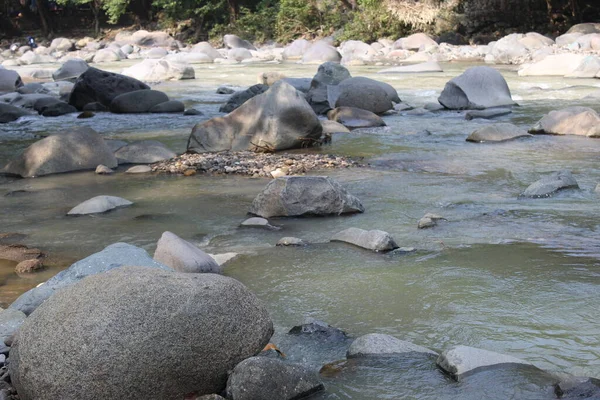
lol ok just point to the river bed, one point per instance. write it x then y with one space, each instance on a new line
516 276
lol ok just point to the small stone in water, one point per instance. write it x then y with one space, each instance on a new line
29 266
291 241
189 172
103 170
139 169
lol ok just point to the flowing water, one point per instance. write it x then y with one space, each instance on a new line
516 276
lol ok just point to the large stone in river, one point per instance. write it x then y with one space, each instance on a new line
262 378
321 52
364 93
304 196
553 65
80 149
476 88
144 152
151 70
139 101
378 344
497 133
138 332
183 256
278 119
375 240
95 85
354 118
576 120
113 256
70 70
99 204
9 113
551 184
430 66
235 42
461 360
329 73
9 80
240 97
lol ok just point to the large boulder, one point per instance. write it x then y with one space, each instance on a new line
206 48
374 240
509 50
262 378
62 44
553 65
235 42
276 120
296 49
585 28
140 101
138 332
576 120
151 70
364 93
353 50
550 184
476 88
588 68
79 149
321 52
109 54
183 256
9 80
240 97
95 85
414 42
460 360
9 113
355 118
378 344
328 74
99 204
113 256
143 152
70 70
497 133
304 196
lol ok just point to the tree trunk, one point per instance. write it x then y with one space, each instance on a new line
234 9
96 10
42 7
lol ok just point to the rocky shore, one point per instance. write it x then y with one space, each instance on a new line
267 165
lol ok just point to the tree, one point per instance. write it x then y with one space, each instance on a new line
113 9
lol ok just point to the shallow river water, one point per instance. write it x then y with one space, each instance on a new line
516 276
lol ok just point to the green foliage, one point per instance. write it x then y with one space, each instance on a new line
197 9
114 9
371 22
255 25
298 18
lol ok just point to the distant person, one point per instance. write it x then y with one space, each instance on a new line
31 42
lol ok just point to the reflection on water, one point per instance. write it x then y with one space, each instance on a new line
510 275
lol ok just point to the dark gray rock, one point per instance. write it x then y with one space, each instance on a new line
315 328
10 321
304 196
33 87
364 93
139 101
95 106
354 118
80 149
300 84
9 80
487 114
278 119
329 73
239 98
171 106
138 332
497 133
225 90
183 256
235 42
374 240
70 70
578 388
477 88
52 107
144 152
99 204
192 111
378 344
551 184
10 113
114 256
95 85
262 378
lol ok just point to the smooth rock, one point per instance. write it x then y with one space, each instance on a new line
104 170
262 378
235 42
414 42
278 119
242 96
553 65
296 49
576 120
9 80
144 152
257 222
304 196
321 52
189 58
113 256
151 70
364 93
239 54
206 48
70 70
139 101
333 127
378 344
487 113
10 113
183 256
550 184
110 54
139 169
497 133
375 240
328 74
80 149
99 204
171 106
588 68
353 118
10 321
131 325
578 388
461 360
476 88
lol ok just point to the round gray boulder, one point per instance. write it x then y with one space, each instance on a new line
320 52
136 332
235 42
99 204
353 118
497 133
9 80
364 93
140 101
70 70
375 240
183 256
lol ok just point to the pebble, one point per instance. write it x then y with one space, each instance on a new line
139 169
103 170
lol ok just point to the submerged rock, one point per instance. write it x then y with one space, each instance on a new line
487 114
144 152
460 360
9 113
257 222
139 101
139 169
131 325
377 344
497 133
476 88
278 119
113 256
375 240
99 204
290 241
271 379
354 118
29 266
183 256
551 184
304 196
578 388
576 120
314 327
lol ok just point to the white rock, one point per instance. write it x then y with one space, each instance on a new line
183 256
99 204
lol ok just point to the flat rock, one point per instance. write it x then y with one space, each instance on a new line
113 256
151 70
257 222
271 379
497 133
99 204
139 101
304 196
377 344
354 118
553 65
430 66
183 256
333 127
144 152
551 184
139 169
461 360
576 120
375 240
488 113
